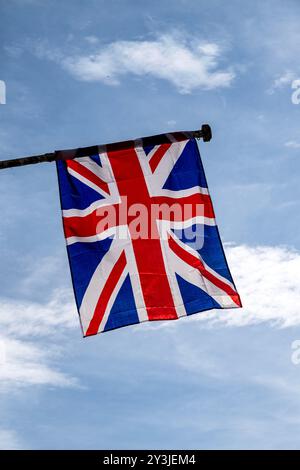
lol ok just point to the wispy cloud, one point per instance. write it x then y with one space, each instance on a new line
25 363
188 65
292 144
267 278
30 341
24 318
281 81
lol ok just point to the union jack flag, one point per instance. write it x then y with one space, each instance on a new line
122 274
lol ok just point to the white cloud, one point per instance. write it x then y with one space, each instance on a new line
30 341
187 65
281 81
23 318
292 144
24 363
267 279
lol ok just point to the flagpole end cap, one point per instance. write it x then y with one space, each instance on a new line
206 132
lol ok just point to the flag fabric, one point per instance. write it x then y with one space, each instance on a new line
141 233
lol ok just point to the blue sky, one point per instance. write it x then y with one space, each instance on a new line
82 73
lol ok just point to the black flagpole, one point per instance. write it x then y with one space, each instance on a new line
203 133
